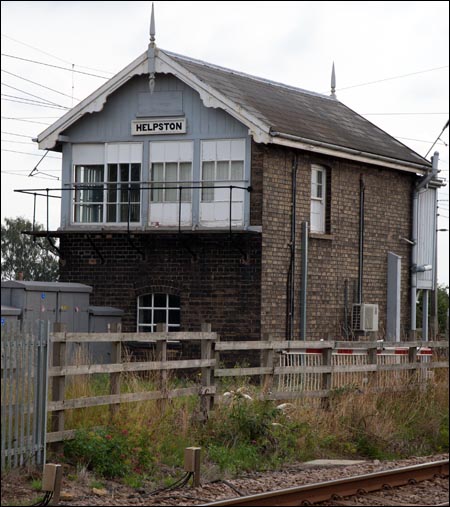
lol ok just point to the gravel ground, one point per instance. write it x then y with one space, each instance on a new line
80 491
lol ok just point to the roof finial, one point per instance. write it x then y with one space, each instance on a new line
152 53
152 26
333 82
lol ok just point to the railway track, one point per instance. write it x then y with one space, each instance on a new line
357 485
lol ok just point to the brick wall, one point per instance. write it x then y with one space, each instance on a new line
218 287
333 257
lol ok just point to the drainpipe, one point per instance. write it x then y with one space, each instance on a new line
304 285
415 220
362 187
293 234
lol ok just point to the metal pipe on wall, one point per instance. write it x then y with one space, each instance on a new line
362 188
425 315
304 285
293 234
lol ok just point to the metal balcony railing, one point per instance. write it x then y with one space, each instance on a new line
130 187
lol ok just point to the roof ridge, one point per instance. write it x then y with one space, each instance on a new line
250 76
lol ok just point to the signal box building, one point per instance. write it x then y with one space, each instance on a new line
192 193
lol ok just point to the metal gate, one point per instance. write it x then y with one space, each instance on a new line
24 387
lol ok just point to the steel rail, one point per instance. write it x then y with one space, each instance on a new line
360 484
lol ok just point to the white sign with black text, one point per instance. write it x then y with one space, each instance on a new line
154 126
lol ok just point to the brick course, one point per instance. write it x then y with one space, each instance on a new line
333 258
218 287
243 298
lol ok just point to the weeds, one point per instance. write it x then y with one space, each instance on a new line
243 433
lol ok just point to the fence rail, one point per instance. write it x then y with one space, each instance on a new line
286 370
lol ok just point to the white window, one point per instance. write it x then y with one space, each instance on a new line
318 198
107 183
171 177
158 308
222 166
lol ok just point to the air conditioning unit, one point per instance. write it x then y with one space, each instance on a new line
365 317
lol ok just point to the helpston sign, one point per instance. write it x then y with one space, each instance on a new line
158 126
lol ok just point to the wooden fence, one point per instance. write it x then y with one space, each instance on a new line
287 370
299 369
60 371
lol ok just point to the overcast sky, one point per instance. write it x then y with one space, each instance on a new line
290 42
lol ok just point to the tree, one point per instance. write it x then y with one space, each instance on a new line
21 253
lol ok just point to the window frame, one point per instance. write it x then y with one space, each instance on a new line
216 161
167 308
323 199
105 184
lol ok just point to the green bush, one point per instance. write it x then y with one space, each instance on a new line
111 452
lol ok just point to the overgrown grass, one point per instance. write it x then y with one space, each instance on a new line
146 440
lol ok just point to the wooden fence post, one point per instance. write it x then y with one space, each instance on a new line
161 355
266 380
58 382
207 398
372 360
116 357
412 359
327 358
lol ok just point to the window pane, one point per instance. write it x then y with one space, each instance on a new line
208 177
135 172
171 171
174 301
159 316
223 171
319 177
185 171
145 316
145 300
157 176
123 193
174 316
135 214
112 193
237 170
124 172
185 175
160 300
208 171
135 194
171 192
157 172
124 213
112 172
111 213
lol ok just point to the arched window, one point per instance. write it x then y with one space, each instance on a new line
154 309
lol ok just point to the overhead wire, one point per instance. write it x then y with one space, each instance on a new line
16 142
21 119
37 84
27 153
54 66
54 56
397 114
14 134
392 78
438 137
24 100
28 93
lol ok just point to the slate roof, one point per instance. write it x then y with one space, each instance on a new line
299 112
